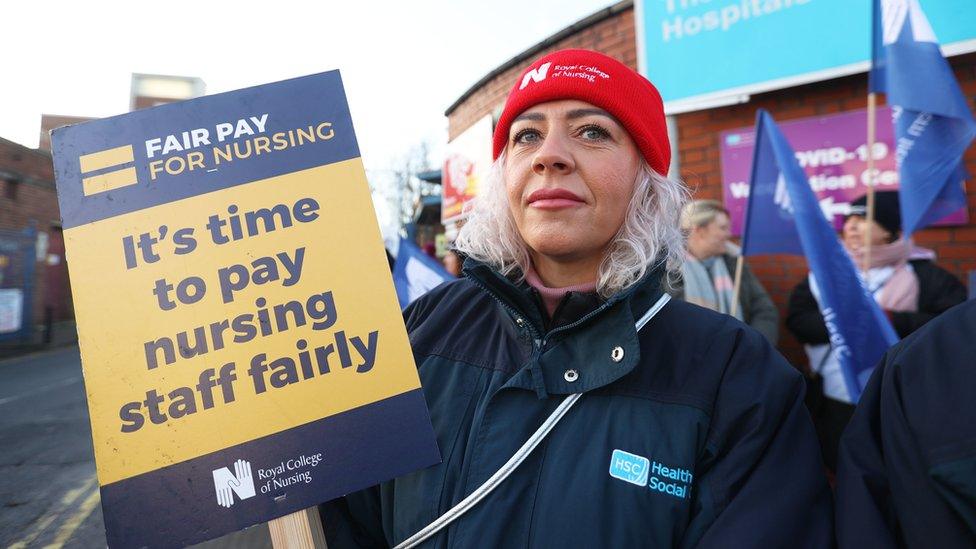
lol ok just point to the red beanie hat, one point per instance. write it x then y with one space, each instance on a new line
601 81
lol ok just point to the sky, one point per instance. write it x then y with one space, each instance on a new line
402 62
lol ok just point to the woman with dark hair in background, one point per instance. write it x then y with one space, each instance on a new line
906 283
453 262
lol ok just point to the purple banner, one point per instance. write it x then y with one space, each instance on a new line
832 152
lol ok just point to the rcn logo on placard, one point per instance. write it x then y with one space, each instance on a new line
629 467
107 170
535 75
241 482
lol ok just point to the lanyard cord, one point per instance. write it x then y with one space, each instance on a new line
517 458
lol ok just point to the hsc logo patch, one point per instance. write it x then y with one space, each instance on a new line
629 467
671 481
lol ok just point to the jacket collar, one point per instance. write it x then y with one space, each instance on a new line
589 345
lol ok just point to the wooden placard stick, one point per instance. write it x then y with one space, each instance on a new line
299 530
737 285
872 109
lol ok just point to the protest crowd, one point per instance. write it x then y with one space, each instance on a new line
874 313
656 314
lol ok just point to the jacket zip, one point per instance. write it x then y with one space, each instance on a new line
537 341
540 343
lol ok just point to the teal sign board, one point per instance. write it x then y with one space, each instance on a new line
696 50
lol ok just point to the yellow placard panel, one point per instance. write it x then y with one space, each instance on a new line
112 298
106 159
109 181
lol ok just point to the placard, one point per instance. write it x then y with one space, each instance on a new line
243 351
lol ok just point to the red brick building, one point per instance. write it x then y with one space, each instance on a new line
612 31
50 122
30 221
30 227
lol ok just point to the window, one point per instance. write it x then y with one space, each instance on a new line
11 187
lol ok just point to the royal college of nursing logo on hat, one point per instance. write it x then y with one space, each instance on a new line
585 72
535 75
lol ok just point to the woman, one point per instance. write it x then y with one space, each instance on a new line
905 282
709 267
452 262
689 432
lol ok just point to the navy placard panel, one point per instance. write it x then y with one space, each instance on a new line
290 105
176 506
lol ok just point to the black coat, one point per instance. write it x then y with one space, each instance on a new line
938 292
907 473
709 412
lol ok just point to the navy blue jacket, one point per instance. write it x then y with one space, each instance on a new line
715 446
907 465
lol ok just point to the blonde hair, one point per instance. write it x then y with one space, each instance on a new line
648 238
699 213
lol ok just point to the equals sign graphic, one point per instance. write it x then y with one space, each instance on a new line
107 170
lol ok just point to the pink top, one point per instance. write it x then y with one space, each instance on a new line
552 296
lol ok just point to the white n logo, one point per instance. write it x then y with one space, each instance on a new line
536 75
241 483
739 189
894 14
781 195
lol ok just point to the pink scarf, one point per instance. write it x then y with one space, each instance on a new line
900 291
552 296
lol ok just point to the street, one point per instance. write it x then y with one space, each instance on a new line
49 492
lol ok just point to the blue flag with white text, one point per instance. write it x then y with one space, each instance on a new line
415 273
933 123
783 216
769 226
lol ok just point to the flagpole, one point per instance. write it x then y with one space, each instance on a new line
872 109
737 285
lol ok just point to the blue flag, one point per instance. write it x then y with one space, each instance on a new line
415 273
783 216
769 227
933 124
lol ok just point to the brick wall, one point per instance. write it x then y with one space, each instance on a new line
698 146
35 204
36 199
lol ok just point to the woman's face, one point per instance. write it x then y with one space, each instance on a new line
710 239
854 231
452 263
570 172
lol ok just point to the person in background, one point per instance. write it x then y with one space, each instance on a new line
906 283
709 267
453 262
907 471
